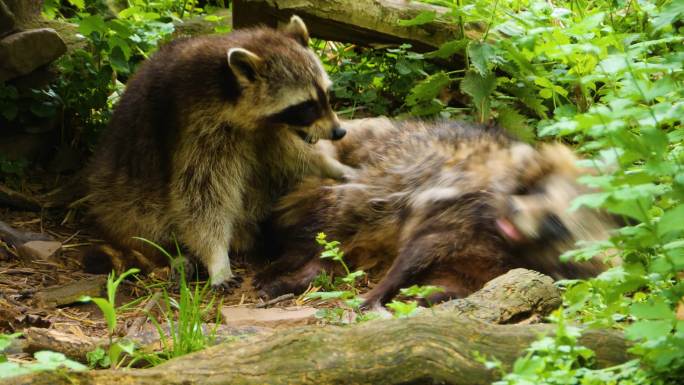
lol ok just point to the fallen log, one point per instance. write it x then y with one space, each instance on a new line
364 22
72 292
423 349
432 347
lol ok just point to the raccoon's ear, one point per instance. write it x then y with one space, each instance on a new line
296 29
244 63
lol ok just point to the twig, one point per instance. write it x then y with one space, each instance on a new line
139 321
275 300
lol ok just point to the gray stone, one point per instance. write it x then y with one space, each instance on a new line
23 52
7 22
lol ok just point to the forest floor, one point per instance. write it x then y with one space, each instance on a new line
28 287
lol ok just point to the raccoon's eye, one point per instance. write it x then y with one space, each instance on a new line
552 227
302 114
528 190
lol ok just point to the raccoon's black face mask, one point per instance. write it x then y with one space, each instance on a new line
304 116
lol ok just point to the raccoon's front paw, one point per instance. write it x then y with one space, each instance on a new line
228 285
371 303
349 173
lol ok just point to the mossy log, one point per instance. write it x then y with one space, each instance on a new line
435 346
363 22
424 349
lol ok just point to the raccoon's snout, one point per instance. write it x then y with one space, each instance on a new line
338 133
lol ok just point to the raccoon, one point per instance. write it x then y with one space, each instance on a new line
209 132
444 203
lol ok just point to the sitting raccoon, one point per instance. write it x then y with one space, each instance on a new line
208 134
446 203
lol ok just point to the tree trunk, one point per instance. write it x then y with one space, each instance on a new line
435 346
355 21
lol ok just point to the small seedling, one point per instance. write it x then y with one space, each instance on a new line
108 308
341 288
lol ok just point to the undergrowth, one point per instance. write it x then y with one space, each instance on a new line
607 77
180 323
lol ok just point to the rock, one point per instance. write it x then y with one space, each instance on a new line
272 317
42 250
23 52
7 22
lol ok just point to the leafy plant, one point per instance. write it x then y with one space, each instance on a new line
607 77
342 288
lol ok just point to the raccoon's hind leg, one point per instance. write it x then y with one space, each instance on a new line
415 258
295 282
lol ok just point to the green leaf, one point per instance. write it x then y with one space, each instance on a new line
654 309
668 14
672 220
47 360
328 295
6 340
594 200
9 111
13 369
80 4
481 56
92 24
107 310
448 49
428 88
213 18
422 18
516 124
403 309
352 277
98 358
421 291
649 330
118 60
480 89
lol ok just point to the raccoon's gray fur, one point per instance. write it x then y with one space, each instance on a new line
208 134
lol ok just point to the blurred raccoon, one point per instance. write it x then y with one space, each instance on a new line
208 134
445 203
